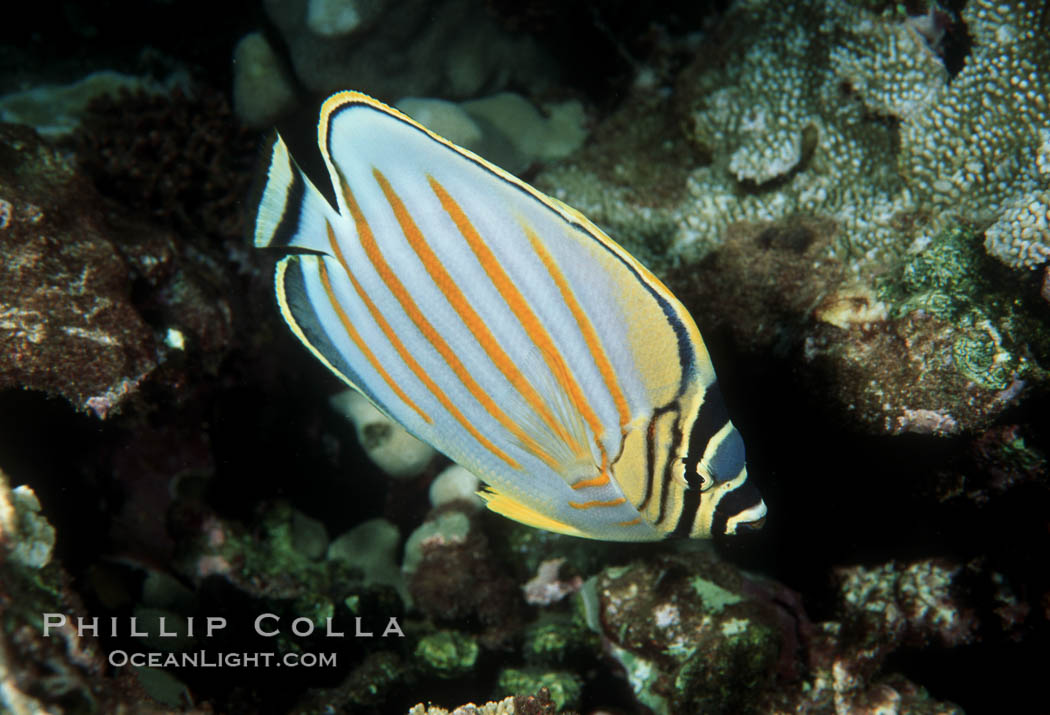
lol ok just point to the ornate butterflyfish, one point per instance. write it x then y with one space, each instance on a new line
504 328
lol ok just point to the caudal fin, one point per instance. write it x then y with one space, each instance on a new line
292 212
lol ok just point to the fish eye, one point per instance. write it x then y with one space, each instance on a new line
706 482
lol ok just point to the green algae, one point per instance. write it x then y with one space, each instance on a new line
719 679
715 597
447 653
952 279
565 687
555 638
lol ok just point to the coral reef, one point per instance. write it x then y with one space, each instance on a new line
457 577
24 531
388 444
980 144
504 128
883 609
57 111
67 323
61 670
851 198
938 343
1020 237
895 604
452 50
564 687
506 706
772 136
539 704
447 654
998 460
686 633
839 113
180 156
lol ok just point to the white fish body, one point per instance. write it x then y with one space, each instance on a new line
505 329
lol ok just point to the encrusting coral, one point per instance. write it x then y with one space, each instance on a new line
832 111
816 160
977 146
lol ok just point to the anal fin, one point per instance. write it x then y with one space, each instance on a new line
513 509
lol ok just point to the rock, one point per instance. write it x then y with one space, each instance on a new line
455 484
30 539
453 574
452 49
688 633
262 91
938 344
55 111
309 537
451 527
182 157
446 118
371 546
388 444
535 137
377 677
67 323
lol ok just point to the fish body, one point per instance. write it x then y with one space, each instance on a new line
505 329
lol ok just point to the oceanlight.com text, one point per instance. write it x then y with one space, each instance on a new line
213 659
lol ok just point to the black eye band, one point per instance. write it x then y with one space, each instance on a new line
709 422
739 500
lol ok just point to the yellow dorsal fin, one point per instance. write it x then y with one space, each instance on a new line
513 509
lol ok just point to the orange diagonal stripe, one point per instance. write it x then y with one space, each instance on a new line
591 504
474 322
518 305
586 328
600 481
367 239
356 337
